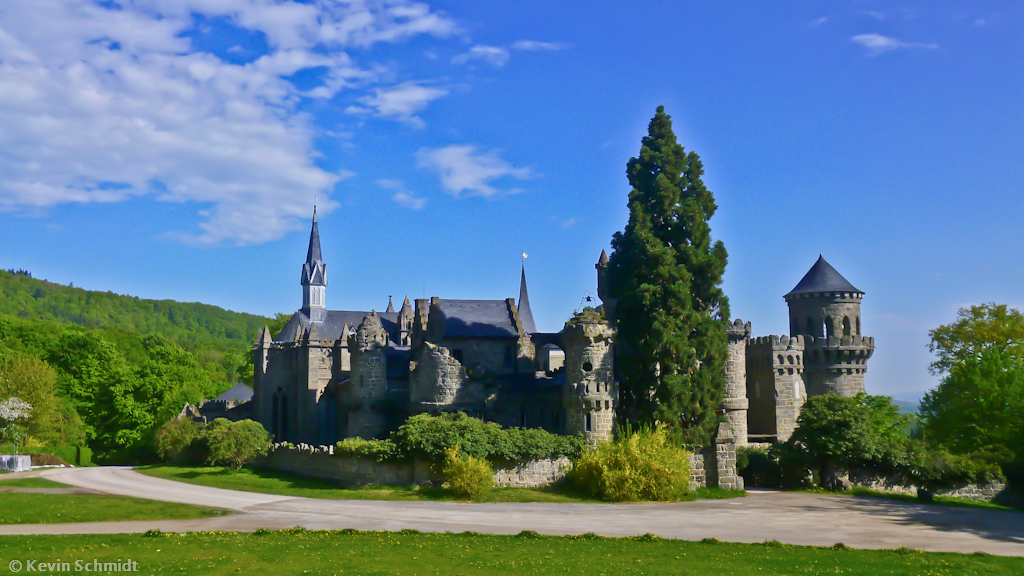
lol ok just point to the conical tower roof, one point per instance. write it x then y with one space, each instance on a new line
314 271
822 277
313 254
525 314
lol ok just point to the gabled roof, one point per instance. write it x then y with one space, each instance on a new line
477 319
525 314
822 277
332 327
238 393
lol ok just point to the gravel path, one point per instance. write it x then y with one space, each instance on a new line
789 517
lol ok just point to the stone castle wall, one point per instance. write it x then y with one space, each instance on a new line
321 463
775 386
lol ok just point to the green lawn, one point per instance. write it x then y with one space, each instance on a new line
20 508
271 482
410 553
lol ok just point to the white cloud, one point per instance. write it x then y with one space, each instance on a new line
400 102
494 55
534 45
569 223
99 103
877 44
818 21
874 14
403 196
466 171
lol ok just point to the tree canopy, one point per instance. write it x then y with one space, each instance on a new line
975 330
979 405
665 276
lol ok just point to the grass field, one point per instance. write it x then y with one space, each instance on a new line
22 508
410 553
271 482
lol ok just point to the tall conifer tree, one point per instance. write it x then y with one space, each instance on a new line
665 277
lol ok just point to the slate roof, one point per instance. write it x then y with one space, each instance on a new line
525 314
330 329
822 277
238 393
477 319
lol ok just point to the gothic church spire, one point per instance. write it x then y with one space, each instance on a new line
525 314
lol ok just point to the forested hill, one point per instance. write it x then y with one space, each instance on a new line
192 325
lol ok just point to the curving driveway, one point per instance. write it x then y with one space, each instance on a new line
792 518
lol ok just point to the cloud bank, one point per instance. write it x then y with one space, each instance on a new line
103 101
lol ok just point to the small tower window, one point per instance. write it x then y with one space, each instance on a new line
858 325
846 326
828 326
589 428
587 366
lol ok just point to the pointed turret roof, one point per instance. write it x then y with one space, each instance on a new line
314 271
391 307
313 254
603 260
525 314
822 277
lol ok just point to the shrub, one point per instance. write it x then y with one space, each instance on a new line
379 450
836 435
429 437
639 466
465 475
235 444
173 438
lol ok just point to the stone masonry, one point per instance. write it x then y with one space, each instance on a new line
734 399
591 394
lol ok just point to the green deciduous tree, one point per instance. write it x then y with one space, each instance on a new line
979 405
975 330
665 275
235 444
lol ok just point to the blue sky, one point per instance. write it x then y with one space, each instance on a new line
174 148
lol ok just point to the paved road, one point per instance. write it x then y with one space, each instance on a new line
793 518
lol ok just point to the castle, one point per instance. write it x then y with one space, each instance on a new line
333 374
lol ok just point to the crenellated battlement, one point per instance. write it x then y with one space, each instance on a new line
841 342
778 342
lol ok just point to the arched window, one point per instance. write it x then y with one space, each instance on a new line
828 326
588 422
846 326
781 360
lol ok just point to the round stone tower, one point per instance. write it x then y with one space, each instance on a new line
368 378
734 399
591 393
824 308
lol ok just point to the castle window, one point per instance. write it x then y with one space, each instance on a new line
587 366
588 423
781 361
846 326
858 325
757 390
828 327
